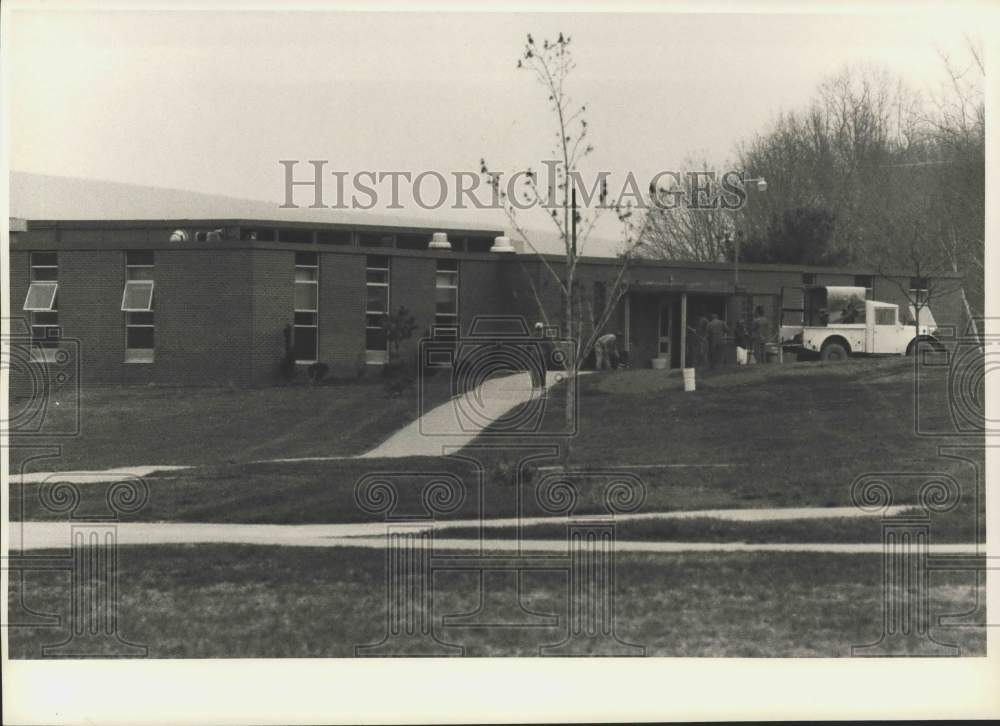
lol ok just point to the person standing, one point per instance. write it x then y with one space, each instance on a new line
716 333
701 339
606 351
761 329
742 339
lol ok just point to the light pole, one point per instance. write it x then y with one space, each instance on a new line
761 187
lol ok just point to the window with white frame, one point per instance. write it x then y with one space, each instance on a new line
376 308
306 332
446 298
43 304
137 304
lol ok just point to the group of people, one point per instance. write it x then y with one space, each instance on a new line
707 339
706 343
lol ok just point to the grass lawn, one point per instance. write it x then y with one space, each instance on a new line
794 435
138 425
213 601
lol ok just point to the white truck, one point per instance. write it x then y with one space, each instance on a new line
838 322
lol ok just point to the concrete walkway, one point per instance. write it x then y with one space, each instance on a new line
92 477
457 422
56 535
45 535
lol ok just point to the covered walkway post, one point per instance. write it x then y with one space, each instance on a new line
684 328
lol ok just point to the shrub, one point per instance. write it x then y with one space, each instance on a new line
317 372
287 365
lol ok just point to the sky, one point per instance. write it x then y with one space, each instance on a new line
210 101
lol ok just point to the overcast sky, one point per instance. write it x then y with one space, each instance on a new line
210 101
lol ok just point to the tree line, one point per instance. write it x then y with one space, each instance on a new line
871 173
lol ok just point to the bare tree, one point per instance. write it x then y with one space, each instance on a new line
683 231
551 63
959 136
909 253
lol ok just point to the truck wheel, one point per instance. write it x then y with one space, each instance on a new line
833 352
921 344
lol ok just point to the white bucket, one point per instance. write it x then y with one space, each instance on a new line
659 364
689 379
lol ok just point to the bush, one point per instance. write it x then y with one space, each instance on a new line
399 376
317 372
288 368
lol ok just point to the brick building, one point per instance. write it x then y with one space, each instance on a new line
211 301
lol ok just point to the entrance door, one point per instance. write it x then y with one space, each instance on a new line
665 326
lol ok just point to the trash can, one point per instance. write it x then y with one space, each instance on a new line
771 352
689 379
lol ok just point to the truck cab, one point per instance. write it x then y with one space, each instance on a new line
839 321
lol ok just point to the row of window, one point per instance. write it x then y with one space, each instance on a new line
378 269
140 326
42 302
400 241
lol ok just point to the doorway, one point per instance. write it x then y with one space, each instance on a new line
664 343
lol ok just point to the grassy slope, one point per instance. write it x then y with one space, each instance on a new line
230 601
137 425
794 436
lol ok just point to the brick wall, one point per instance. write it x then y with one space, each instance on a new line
273 276
203 319
482 291
411 284
342 313
221 312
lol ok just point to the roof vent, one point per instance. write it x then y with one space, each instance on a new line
439 241
502 244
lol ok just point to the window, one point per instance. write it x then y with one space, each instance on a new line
368 239
261 234
138 294
446 298
885 316
294 234
919 290
808 278
868 283
376 307
333 237
306 333
42 303
413 241
480 244
41 297
137 304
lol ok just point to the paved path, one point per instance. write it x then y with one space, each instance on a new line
45 535
56 535
457 422
88 477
